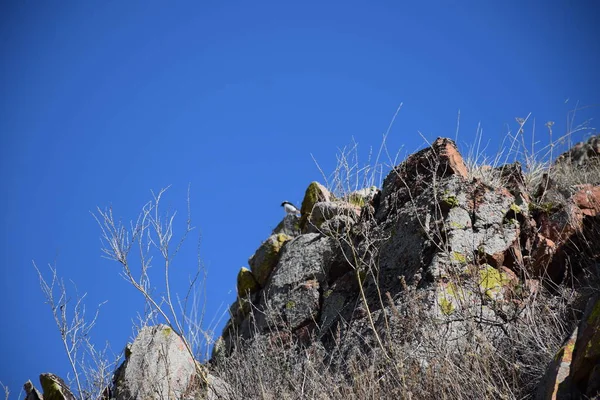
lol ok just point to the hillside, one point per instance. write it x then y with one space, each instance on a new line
449 281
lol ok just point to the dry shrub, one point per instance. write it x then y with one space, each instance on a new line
420 363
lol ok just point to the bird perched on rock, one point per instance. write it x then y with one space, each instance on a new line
290 208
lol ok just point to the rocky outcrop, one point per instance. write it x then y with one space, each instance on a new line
565 229
266 257
438 260
158 366
314 194
31 393
54 388
471 252
582 153
575 371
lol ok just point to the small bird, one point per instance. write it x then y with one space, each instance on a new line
290 208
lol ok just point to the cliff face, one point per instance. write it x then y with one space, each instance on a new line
447 282
438 263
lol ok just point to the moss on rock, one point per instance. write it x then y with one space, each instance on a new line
315 192
492 281
246 283
266 257
55 388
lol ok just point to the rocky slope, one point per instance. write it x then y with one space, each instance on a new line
444 282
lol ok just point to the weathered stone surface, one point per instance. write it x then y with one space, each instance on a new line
586 357
338 301
240 309
345 214
361 197
559 228
556 381
573 373
587 200
292 295
337 226
314 194
31 393
266 257
160 367
416 173
246 283
55 388
289 225
581 153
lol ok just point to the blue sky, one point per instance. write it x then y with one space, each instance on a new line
104 101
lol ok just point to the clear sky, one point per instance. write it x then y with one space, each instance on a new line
103 101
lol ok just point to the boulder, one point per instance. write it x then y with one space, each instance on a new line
31 393
159 366
585 369
562 228
340 215
417 172
315 193
574 372
292 296
266 257
289 225
246 283
582 153
55 388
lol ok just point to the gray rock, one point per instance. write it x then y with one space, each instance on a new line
264 260
581 153
292 295
345 214
31 393
160 367
289 225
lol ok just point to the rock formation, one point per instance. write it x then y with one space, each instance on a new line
436 266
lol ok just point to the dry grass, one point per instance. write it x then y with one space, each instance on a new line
419 364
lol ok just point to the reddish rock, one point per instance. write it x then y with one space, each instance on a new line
417 172
451 161
587 199
560 228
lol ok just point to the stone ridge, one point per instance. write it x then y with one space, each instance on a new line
435 242
465 245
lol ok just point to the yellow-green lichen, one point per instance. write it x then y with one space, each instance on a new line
514 207
166 331
246 283
282 238
456 225
54 388
266 257
594 314
290 304
547 207
491 281
315 192
356 199
459 257
327 293
446 306
450 200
